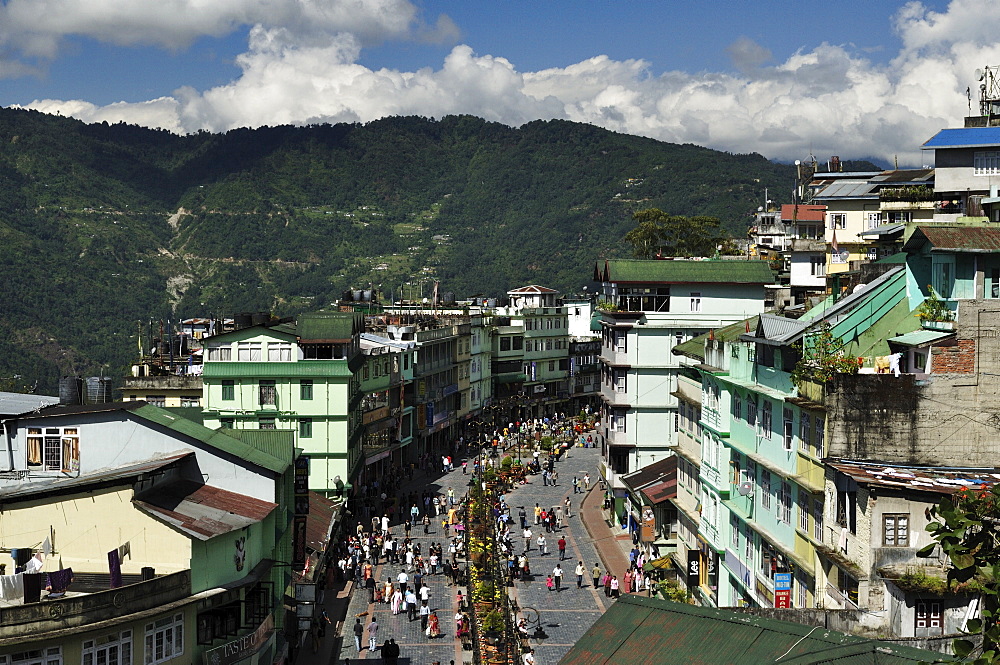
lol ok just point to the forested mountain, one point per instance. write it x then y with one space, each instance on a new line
106 226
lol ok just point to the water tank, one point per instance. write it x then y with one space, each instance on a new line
356 295
148 573
260 318
70 390
243 320
366 295
98 389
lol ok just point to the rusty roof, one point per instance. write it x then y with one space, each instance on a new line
202 511
956 238
938 480
802 213
322 515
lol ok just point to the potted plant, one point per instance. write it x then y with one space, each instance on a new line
934 313
493 624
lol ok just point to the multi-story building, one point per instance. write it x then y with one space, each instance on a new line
387 428
297 375
436 394
646 308
480 363
807 252
170 556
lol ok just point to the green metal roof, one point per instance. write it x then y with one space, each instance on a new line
292 370
683 271
192 413
221 440
327 326
898 257
641 631
695 347
920 337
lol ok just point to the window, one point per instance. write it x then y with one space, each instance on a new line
874 218
818 434
249 351
279 352
787 428
847 510
620 341
818 519
678 338
734 530
552 365
838 220
621 380
642 299
113 649
190 401
164 639
695 301
518 343
223 352
157 400
943 275
268 392
765 419
737 406
505 343
266 423
986 162
817 266
928 616
228 389
228 422
737 468
618 420
751 411
305 428
765 489
751 471
306 389
54 448
805 432
785 502
804 509
895 531
48 656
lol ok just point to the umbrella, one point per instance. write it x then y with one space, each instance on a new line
663 563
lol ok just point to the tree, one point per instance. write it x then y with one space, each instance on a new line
967 528
657 233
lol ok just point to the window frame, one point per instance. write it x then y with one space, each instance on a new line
228 390
306 389
895 519
174 626
121 643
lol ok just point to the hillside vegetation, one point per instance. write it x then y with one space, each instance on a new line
106 226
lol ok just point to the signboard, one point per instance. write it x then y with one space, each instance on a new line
430 414
305 593
302 504
764 592
299 542
648 531
694 569
783 598
782 581
712 564
301 474
242 647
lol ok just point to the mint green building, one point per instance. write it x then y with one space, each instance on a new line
299 375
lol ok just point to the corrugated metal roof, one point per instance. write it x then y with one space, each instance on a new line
322 514
649 631
695 347
921 478
14 404
847 189
220 439
203 511
920 337
38 488
956 238
660 492
802 213
916 176
264 370
328 326
964 137
884 229
650 473
683 271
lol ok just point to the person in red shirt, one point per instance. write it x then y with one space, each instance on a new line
562 548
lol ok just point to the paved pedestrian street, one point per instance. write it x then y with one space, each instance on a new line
564 615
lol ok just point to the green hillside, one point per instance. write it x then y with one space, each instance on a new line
106 226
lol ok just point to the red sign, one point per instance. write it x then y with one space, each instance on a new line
783 599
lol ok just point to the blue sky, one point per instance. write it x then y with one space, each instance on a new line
781 78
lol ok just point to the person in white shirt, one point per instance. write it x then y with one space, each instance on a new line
402 579
527 539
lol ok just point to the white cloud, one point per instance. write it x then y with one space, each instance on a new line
301 67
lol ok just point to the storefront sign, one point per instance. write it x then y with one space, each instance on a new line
648 532
299 542
301 474
694 569
782 581
242 647
712 562
783 599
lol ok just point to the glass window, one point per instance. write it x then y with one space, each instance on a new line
228 389
305 428
895 531
164 639
986 162
268 392
785 503
805 431
112 649
765 489
765 419
805 506
279 352
695 301
787 430
266 423
249 351
306 389
818 435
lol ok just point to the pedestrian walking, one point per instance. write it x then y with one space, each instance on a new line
425 613
569 507
372 634
586 482
580 572
607 584
538 515
576 485
596 574
557 574
549 583
562 548
614 586
542 547
359 631
427 524
526 534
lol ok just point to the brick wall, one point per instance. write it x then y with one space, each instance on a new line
958 359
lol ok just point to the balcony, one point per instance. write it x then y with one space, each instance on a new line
32 621
808 245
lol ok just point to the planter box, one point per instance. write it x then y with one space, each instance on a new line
938 325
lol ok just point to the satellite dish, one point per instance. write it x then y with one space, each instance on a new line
979 75
798 163
745 489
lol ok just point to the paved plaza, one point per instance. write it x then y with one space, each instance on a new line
565 615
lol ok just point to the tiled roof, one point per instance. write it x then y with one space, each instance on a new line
202 511
685 271
964 137
956 238
802 213
920 478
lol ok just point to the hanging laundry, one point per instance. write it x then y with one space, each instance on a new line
47 547
115 568
32 587
125 550
12 587
58 581
35 563
894 363
882 364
